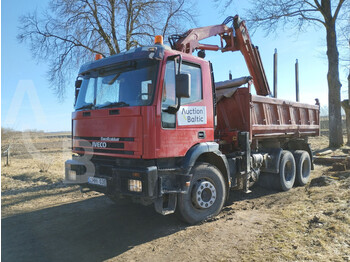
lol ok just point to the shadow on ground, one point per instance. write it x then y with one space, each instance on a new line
263 188
89 230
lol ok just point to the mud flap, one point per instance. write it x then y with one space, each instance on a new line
166 204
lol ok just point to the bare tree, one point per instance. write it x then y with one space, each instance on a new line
71 31
346 103
298 14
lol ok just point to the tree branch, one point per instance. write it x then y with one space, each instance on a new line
336 13
69 32
100 29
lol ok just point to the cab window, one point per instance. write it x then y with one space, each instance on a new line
196 83
168 93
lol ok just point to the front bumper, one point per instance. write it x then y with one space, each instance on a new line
155 182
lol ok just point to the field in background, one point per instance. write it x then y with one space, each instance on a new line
46 220
324 125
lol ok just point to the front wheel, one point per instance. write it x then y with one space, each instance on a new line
206 195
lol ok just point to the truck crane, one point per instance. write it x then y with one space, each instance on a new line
235 38
151 126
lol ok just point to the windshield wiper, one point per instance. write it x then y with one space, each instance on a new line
114 104
114 79
87 106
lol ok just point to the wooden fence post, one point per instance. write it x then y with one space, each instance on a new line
8 156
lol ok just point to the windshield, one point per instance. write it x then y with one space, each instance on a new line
131 84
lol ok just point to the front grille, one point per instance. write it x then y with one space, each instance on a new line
103 144
108 145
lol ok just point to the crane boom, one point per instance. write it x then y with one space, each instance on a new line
236 38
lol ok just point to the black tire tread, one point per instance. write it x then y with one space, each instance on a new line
285 157
300 156
185 209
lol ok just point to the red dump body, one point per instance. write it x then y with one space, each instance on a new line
263 117
237 109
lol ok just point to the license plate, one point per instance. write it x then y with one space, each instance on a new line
97 181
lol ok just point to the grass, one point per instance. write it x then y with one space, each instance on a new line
309 227
36 170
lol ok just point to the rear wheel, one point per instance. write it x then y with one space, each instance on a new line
303 167
287 171
206 195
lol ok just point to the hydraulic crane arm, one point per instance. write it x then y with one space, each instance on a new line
236 38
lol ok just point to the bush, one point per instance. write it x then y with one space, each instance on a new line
43 164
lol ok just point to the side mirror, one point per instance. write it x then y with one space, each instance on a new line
183 85
77 88
78 83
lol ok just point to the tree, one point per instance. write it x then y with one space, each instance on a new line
298 14
346 103
70 32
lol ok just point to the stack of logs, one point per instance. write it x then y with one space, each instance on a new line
339 163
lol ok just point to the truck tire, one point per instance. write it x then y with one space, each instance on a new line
303 167
287 170
206 195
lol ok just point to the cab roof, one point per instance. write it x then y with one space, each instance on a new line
150 52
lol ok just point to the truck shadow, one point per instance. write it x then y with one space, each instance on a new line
89 230
256 192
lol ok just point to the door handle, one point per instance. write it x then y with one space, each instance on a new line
201 134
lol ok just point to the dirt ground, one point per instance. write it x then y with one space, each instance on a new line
46 220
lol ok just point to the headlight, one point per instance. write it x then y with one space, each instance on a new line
135 185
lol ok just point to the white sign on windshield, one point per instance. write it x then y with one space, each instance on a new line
192 115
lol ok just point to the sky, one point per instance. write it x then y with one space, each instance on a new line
27 102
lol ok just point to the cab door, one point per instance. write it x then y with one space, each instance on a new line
193 123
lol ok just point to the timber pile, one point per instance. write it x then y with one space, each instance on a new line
339 163
327 152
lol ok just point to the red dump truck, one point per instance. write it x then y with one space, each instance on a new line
150 125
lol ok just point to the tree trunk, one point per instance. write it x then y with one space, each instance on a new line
349 86
334 85
346 107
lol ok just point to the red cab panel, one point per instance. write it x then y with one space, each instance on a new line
110 132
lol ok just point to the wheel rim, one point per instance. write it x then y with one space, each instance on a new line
305 169
203 194
288 171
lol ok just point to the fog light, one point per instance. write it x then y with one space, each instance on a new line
135 185
72 175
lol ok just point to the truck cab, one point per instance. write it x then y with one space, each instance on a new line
122 105
128 138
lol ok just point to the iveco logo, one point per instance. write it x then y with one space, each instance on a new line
99 144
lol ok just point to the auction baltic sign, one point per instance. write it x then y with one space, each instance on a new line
192 115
